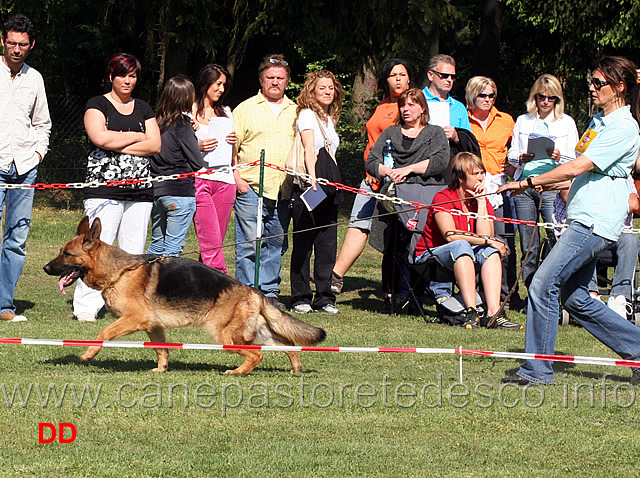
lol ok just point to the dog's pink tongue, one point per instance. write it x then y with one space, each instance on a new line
61 286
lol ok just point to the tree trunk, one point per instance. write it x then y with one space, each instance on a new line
365 88
488 52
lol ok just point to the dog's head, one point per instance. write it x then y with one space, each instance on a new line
74 259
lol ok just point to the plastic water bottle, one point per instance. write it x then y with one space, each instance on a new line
389 156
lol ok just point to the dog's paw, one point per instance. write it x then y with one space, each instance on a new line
296 370
85 358
160 369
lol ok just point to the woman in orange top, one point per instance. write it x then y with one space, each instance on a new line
396 78
493 129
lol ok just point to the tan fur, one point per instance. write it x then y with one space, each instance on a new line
239 315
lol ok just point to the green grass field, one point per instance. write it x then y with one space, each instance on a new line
348 414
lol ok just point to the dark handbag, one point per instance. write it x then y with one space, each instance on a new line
327 168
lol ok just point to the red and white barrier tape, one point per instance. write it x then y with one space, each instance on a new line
294 348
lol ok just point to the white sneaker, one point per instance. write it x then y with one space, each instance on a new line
619 305
328 309
85 317
302 308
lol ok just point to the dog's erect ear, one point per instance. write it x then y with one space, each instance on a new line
96 229
83 227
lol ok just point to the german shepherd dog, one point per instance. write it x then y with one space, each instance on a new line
151 293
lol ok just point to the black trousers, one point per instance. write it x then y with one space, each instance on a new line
323 242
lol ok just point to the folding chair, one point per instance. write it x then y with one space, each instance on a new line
415 277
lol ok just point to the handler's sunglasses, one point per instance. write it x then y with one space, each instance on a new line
444 76
487 95
598 83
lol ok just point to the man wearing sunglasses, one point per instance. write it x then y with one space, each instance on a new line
441 75
24 138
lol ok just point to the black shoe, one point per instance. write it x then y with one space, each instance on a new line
471 319
501 322
635 377
516 379
277 304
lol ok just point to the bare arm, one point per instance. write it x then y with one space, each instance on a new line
94 124
308 142
150 145
560 174
447 227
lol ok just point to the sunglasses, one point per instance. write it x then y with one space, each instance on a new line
487 95
597 83
275 61
444 76
550 99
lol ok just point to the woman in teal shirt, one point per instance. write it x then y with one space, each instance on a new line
596 210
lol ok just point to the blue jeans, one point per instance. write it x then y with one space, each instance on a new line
448 254
275 222
527 210
17 221
566 272
626 253
171 218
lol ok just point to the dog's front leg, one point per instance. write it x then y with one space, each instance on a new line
157 335
121 327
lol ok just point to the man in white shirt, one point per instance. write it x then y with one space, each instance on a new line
25 126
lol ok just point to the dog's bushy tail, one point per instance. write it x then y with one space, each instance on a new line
287 326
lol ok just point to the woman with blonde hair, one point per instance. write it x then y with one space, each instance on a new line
319 107
545 116
493 129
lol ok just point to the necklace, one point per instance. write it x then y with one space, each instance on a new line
117 100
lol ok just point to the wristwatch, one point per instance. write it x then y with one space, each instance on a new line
486 239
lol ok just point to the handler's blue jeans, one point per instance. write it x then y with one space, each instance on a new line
17 221
566 271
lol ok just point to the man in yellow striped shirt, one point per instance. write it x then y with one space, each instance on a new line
263 122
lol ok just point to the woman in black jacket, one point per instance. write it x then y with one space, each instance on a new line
174 202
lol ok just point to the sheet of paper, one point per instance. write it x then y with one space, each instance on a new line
439 113
219 128
539 144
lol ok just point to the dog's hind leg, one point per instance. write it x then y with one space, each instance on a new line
121 327
296 364
251 359
157 335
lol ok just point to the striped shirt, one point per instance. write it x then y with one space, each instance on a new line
258 128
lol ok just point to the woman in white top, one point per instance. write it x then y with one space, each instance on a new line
546 117
319 106
215 191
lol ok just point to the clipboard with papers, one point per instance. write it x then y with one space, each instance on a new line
539 144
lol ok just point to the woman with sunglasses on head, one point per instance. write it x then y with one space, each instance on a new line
216 190
122 134
395 79
545 115
596 210
493 130
319 107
